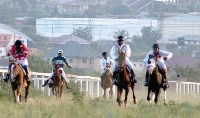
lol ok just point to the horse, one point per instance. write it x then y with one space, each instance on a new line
124 79
18 81
58 82
107 81
155 82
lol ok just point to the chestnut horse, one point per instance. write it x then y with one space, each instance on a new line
155 82
124 80
18 81
58 82
107 81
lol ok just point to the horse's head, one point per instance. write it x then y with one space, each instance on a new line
151 65
14 69
108 67
56 68
121 59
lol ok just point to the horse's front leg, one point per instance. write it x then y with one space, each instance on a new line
134 98
15 94
126 94
19 94
165 97
119 93
27 89
104 92
111 92
148 95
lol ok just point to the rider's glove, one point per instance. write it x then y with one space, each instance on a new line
165 58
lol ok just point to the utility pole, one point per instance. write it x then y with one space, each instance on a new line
160 24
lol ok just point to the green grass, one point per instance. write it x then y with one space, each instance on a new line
41 106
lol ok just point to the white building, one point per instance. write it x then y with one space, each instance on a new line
179 26
102 28
8 36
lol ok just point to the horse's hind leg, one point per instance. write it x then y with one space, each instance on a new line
134 98
27 89
15 94
148 95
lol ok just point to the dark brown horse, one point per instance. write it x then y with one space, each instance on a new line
58 82
124 80
18 81
155 82
107 81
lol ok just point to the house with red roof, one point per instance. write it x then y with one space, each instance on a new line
67 38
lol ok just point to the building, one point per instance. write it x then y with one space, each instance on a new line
102 28
67 38
179 26
68 6
77 55
186 40
8 36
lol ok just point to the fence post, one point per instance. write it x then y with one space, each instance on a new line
81 84
198 88
92 86
113 90
176 87
38 83
184 88
188 88
86 86
191 88
35 78
194 88
180 88
97 88
49 91
42 88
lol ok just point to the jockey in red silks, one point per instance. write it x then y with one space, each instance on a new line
159 56
120 46
19 51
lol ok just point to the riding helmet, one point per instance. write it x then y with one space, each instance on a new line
60 52
156 45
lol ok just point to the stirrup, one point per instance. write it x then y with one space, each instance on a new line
145 84
134 80
115 82
165 85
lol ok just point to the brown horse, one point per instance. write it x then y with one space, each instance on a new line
124 80
107 81
18 81
58 82
155 82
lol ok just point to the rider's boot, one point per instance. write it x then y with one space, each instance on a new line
46 82
115 82
27 75
133 77
165 81
7 78
146 79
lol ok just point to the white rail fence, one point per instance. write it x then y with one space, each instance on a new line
91 85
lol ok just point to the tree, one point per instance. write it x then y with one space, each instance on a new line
123 33
85 33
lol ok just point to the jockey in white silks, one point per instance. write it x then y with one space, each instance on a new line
114 55
105 61
159 56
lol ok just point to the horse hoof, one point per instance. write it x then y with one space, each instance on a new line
135 101
165 103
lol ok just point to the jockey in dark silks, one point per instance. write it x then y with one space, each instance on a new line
61 61
19 51
159 56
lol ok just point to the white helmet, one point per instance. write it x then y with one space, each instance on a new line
60 51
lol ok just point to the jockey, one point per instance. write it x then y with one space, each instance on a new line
114 54
19 51
58 60
160 56
104 62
